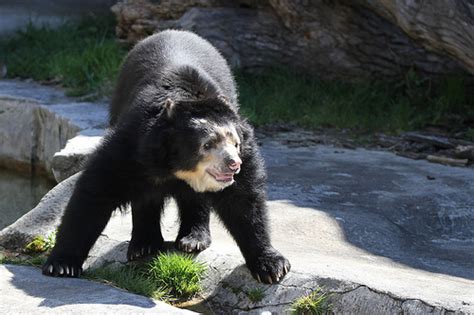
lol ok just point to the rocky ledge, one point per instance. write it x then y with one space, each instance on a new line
383 234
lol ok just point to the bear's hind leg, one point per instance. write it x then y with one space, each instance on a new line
194 235
146 234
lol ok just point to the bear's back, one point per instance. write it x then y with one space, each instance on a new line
152 61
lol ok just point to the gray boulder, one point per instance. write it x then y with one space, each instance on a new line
24 290
30 135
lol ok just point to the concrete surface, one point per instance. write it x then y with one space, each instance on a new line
24 290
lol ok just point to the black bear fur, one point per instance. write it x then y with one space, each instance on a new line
166 81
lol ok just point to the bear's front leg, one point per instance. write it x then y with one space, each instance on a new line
146 234
85 217
194 235
105 184
244 215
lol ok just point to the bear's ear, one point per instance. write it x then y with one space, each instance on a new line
226 102
223 99
245 132
169 107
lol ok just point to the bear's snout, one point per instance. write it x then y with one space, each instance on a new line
234 164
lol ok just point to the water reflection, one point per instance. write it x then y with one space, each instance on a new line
19 194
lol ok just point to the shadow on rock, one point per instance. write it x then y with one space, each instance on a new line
57 292
416 213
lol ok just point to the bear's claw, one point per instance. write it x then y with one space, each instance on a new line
193 242
137 250
61 269
270 267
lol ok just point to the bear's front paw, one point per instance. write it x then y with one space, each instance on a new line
141 248
193 242
269 267
62 267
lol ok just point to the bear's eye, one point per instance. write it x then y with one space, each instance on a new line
237 146
207 145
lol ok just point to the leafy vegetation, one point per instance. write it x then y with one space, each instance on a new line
41 244
316 303
84 57
177 273
256 295
282 96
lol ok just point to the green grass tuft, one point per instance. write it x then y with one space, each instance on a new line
255 295
82 55
316 303
167 277
178 273
129 278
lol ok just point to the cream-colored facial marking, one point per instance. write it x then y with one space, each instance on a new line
212 173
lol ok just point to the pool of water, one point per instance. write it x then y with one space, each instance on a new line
19 194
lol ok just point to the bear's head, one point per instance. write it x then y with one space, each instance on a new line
198 142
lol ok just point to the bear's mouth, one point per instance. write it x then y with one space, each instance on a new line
221 177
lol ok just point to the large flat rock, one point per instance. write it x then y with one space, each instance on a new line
24 290
384 233
36 121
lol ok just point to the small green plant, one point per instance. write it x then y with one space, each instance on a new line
130 278
255 295
41 244
179 274
316 303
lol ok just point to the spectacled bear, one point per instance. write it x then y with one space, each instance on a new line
175 133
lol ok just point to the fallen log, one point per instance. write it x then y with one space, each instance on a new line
447 161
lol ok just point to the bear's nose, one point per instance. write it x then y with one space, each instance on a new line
234 164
